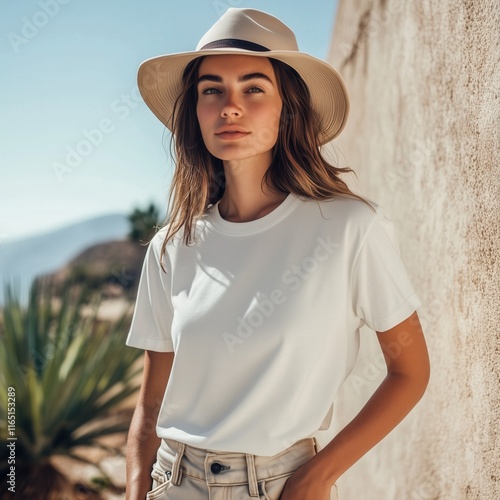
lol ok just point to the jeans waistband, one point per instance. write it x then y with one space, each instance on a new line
225 468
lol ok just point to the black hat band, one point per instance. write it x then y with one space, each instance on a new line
235 43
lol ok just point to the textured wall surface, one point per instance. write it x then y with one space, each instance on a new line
423 137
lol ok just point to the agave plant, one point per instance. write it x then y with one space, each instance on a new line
68 373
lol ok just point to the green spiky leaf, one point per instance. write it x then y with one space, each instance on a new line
70 372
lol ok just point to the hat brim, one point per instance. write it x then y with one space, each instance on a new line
160 83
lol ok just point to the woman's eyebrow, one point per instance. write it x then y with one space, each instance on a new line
209 78
254 76
242 78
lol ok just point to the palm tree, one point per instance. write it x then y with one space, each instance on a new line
66 373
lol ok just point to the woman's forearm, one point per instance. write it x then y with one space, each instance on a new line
142 441
389 404
142 445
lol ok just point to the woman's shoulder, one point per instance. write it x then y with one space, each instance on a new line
348 210
354 218
160 234
156 242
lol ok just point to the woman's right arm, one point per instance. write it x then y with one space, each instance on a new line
142 441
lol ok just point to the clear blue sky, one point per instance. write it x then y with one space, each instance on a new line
69 66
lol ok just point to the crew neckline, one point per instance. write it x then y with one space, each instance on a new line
253 226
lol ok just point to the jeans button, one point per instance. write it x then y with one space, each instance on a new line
217 467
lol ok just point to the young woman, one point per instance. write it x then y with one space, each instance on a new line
252 295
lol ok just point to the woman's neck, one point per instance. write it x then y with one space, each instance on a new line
245 197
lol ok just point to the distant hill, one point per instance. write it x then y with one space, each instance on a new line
112 269
22 260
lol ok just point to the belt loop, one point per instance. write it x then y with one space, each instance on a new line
176 470
316 446
253 487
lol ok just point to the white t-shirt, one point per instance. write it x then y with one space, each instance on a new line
264 319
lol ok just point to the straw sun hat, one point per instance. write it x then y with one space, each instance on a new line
256 33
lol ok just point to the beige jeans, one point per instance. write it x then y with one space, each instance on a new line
184 472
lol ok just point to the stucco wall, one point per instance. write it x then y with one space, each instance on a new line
423 137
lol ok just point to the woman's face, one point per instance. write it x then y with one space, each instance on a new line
239 107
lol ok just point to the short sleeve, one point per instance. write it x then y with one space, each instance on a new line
153 313
383 295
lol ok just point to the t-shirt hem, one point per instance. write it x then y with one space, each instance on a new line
411 304
151 344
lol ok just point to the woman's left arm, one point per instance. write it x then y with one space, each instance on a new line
408 367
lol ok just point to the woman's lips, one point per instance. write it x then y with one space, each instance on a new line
231 136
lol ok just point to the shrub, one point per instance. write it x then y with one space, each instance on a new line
69 373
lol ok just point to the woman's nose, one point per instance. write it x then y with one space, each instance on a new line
231 107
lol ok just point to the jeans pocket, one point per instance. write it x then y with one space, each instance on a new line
273 487
162 480
335 493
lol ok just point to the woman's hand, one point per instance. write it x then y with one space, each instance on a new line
304 484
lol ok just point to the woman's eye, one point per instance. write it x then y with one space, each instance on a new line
254 90
210 91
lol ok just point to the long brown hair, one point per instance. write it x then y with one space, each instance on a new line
297 164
